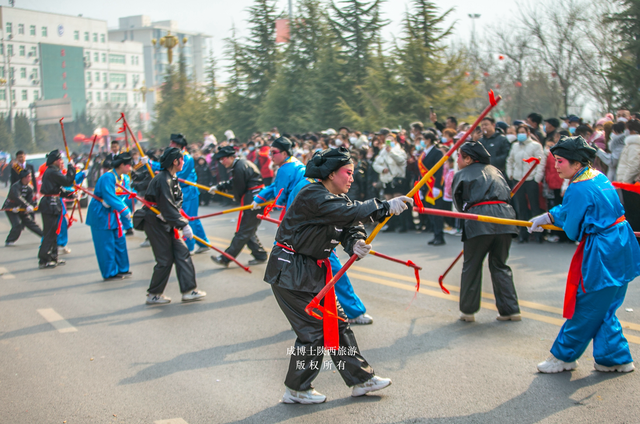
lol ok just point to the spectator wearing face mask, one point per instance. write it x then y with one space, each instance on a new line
629 172
448 135
525 200
551 125
574 123
616 145
511 134
534 120
496 144
391 166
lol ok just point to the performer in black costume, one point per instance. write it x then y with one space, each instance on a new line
480 188
51 206
245 183
320 218
164 194
20 197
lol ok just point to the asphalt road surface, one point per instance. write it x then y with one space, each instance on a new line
75 349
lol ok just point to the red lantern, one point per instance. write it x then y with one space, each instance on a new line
553 74
486 74
497 85
518 84
501 57
467 74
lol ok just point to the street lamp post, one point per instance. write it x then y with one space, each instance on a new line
473 17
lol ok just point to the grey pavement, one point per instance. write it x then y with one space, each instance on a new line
223 360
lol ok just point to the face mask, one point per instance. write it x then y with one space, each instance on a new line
522 137
352 140
338 142
544 129
511 138
572 130
621 119
251 148
413 136
564 125
444 139
392 144
423 144
305 151
419 148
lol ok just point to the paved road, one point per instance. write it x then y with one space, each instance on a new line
75 349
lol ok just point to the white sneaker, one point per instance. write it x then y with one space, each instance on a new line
145 243
620 368
10 244
467 317
371 385
63 250
513 317
193 295
307 397
201 249
553 365
364 319
157 299
553 239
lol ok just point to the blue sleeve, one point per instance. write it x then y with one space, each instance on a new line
187 169
155 166
266 193
570 214
108 191
80 177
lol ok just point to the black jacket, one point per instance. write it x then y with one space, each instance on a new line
498 147
244 180
429 161
20 196
15 172
140 178
52 182
478 183
315 223
165 192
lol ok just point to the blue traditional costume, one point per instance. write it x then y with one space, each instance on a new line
290 177
63 235
109 223
191 195
606 260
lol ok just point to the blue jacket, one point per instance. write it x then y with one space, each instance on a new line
188 173
106 218
289 175
590 207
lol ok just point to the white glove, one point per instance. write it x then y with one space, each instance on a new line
128 216
30 209
15 210
538 222
255 206
187 232
144 160
361 248
436 192
105 204
160 217
213 189
398 204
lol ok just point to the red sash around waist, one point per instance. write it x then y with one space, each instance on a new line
488 202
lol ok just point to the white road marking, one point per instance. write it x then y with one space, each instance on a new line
4 272
171 421
54 318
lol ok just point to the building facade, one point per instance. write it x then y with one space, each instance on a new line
45 56
141 29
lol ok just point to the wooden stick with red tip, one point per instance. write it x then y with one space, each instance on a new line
493 102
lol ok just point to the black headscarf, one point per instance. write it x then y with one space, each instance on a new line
122 158
179 139
224 151
24 173
53 156
283 144
325 162
574 148
476 151
168 156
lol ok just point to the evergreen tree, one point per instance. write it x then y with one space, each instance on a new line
6 139
625 71
22 136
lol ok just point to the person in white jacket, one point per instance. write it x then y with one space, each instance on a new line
629 172
525 201
391 164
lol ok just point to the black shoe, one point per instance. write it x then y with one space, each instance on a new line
129 232
50 264
220 260
522 240
438 243
127 274
116 277
257 261
432 242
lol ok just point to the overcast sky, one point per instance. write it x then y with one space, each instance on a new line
215 17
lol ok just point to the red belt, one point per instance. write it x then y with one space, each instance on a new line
51 195
176 234
329 309
574 279
488 202
256 187
242 204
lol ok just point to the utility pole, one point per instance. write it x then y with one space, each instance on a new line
473 17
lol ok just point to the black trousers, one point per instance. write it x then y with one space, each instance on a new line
246 236
632 208
437 222
526 210
20 221
168 251
49 246
304 368
475 250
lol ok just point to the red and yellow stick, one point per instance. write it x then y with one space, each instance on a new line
205 188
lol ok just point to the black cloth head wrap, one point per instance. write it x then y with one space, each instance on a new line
224 151
179 139
283 144
574 148
24 173
53 156
170 154
122 158
476 151
325 162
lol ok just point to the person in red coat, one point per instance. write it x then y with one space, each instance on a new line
264 164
